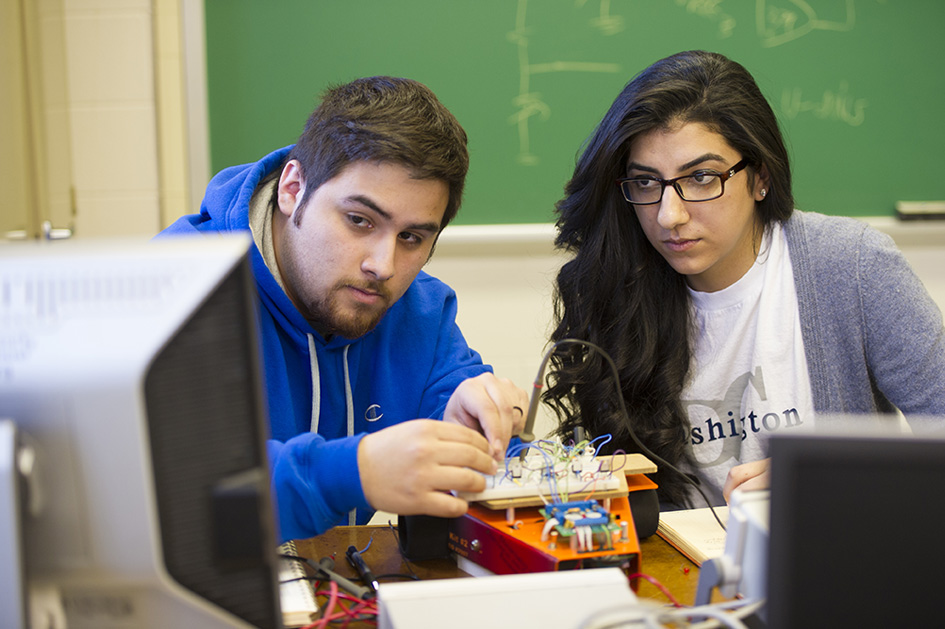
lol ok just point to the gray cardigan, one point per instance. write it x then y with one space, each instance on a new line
872 334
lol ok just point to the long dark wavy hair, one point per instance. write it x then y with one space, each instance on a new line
618 291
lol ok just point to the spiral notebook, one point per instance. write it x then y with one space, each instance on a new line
299 607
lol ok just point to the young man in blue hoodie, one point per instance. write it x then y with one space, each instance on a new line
358 342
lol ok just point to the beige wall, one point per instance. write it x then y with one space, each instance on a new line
100 84
503 277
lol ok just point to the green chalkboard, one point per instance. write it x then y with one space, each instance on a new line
859 85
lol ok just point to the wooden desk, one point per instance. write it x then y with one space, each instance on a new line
659 560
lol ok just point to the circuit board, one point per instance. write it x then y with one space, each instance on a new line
588 535
554 507
583 520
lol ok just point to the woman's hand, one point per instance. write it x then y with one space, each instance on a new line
748 476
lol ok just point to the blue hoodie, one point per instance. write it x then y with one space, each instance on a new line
406 368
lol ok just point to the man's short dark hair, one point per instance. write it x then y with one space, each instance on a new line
384 119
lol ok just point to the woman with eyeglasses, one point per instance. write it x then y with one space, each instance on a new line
730 315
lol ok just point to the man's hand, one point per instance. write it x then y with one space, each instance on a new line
409 468
493 406
748 476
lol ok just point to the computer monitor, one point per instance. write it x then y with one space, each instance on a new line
132 452
856 530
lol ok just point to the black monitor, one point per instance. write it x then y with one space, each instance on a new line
857 530
132 437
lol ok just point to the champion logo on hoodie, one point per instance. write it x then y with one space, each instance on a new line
373 413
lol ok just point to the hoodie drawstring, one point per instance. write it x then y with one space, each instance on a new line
316 383
317 400
349 407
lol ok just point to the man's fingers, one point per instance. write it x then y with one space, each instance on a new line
494 406
460 456
450 478
460 433
441 505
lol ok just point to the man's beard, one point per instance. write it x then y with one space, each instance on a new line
327 317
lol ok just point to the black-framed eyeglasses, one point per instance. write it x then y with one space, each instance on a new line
702 185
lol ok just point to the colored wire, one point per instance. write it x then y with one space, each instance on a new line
370 541
643 614
659 586
626 414
557 462
343 608
326 614
727 614
608 438
393 531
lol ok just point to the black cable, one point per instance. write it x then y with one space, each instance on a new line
396 533
528 436
397 575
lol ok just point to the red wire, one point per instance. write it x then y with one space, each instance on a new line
356 609
326 615
658 585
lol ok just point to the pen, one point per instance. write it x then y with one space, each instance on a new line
357 561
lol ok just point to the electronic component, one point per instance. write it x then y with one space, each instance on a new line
546 471
580 524
486 537
553 507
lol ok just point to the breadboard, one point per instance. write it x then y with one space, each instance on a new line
532 483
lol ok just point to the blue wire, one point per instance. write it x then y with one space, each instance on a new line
549 463
370 541
606 436
548 469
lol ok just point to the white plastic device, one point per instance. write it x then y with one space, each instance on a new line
740 570
551 600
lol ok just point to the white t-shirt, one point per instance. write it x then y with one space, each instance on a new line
749 371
